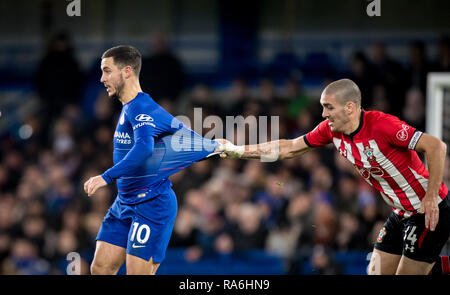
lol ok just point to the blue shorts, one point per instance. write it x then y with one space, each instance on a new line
144 229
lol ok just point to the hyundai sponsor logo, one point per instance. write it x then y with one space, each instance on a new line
144 118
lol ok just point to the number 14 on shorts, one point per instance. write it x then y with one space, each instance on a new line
141 232
411 237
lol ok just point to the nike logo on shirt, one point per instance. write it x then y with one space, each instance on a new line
136 246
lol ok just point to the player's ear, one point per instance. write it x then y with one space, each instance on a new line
128 71
349 107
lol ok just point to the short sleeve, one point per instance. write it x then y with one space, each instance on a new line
398 133
320 136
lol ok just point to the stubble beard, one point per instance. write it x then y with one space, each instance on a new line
119 89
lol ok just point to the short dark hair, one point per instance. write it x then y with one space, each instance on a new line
345 90
125 55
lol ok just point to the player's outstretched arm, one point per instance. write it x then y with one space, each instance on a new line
270 151
435 151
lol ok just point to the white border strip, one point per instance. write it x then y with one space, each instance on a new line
435 97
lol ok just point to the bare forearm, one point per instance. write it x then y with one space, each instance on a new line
268 149
436 162
276 150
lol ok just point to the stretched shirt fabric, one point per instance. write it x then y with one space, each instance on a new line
149 146
382 150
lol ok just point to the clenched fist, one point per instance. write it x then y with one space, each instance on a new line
93 184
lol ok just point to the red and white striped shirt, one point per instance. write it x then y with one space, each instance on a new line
382 150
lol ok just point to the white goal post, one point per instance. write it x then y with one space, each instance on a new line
436 84
438 118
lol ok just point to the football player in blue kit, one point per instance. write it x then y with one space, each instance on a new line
149 146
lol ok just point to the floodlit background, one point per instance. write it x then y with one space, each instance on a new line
310 215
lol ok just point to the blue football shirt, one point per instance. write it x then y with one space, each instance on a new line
149 146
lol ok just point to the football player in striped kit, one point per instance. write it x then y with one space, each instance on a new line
383 149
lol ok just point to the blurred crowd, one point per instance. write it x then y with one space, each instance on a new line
302 209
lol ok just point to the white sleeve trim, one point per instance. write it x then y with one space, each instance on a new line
415 139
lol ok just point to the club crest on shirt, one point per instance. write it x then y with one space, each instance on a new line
381 235
402 134
122 119
368 151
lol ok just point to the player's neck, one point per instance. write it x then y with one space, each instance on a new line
353 124
130 91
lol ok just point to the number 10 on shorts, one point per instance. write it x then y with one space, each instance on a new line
140 232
